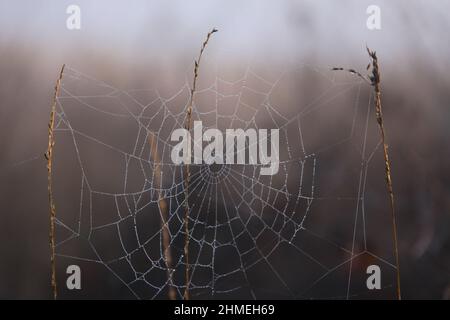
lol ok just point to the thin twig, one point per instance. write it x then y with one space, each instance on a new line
374 80
187 176
172 295
49 158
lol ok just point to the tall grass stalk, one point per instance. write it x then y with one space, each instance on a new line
164 209
187 172
374 79
49 158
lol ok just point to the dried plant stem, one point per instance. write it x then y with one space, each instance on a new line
379 115
49 158
374 80
162 203
188 125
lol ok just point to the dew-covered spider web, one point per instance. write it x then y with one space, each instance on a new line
309 231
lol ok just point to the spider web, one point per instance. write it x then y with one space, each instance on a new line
297 234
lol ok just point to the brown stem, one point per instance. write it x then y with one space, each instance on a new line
379 115
374 80
187 175
49 157
162 203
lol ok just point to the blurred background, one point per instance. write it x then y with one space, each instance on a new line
148 44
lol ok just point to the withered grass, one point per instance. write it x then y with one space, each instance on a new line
374 79
49 158
164 209
187 172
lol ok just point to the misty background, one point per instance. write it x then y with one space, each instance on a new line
146 44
